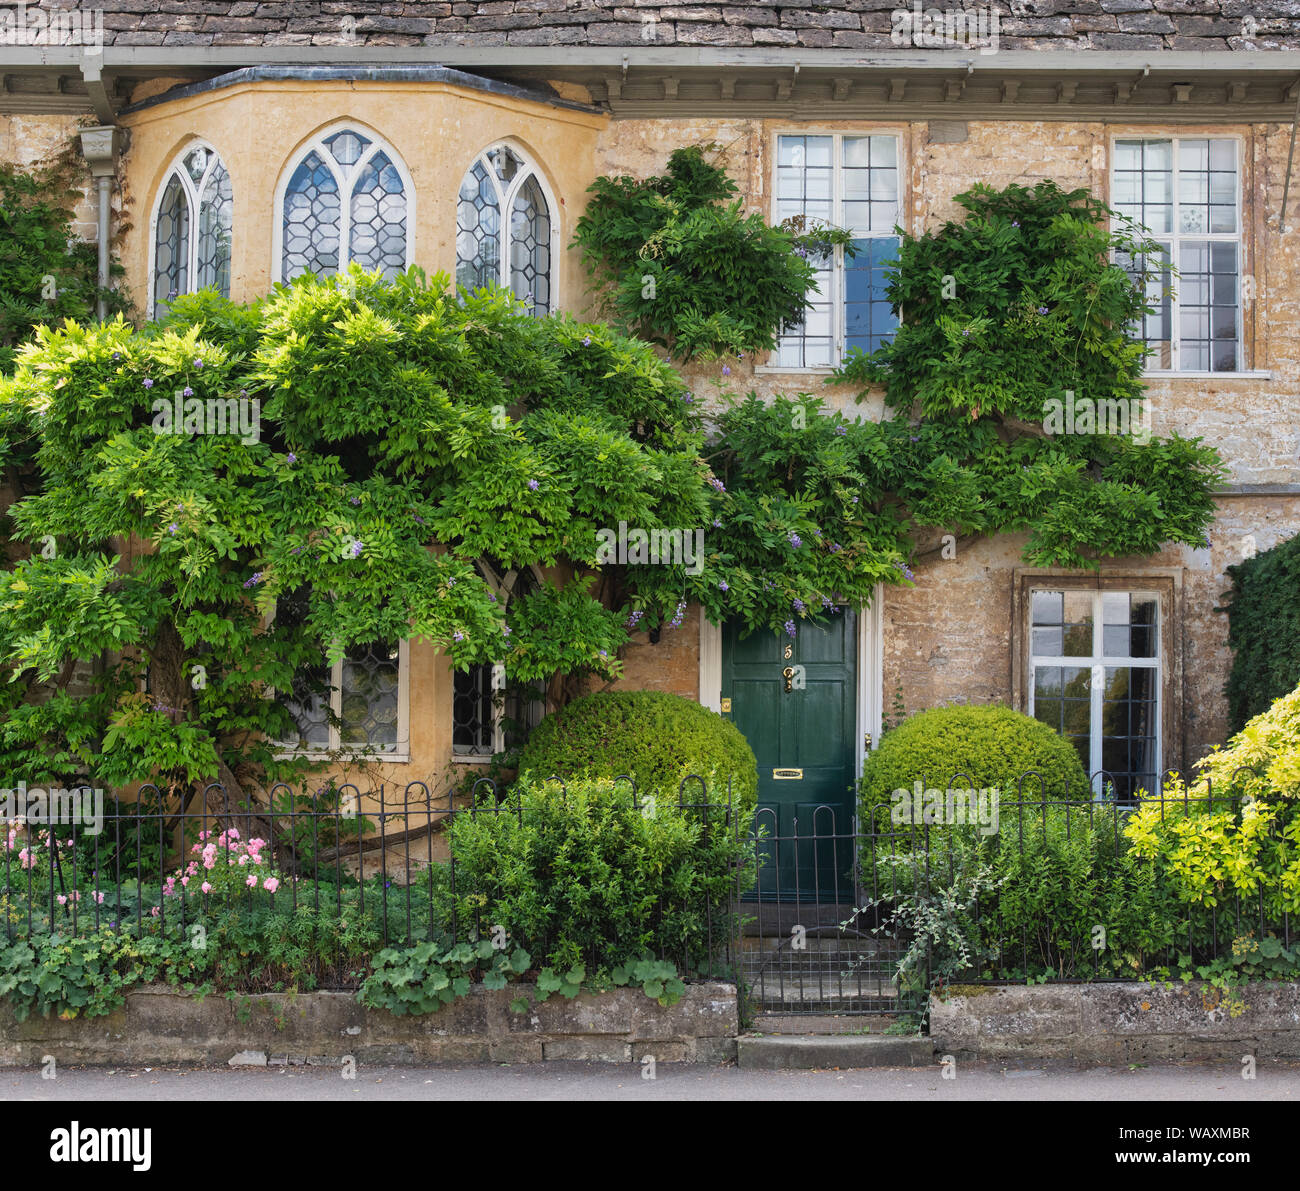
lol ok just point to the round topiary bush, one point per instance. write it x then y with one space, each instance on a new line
973 747
654 737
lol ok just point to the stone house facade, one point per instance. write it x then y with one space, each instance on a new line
254 141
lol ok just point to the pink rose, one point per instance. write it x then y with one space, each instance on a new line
206 887
271 884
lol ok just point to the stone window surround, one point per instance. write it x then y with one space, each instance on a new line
1165 582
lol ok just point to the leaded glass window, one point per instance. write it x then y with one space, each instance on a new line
192 229
347 200
502 180
850 182
1185 191
489 712
1095 679
355 703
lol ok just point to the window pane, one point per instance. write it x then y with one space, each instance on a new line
379 218
369 695
1207 291
311 227
216 216
1062 702
478 231
869 320
471 711
530 248
171 246
1049 607
1128 728
1153 275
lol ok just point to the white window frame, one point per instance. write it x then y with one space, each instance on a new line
1099 658
344 180
1174 238
194 197
839 333
500 588
506 199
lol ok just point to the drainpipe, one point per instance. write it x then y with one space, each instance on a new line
98 146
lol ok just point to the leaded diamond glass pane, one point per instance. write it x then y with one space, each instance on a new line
530 248
171 246
311 226
471 712
379 218
196 161
370 696
216 212
478 231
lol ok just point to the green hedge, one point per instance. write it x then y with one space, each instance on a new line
988 746
654 737
1263 630
581 875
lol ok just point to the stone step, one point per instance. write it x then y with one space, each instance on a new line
821 1023
812 1052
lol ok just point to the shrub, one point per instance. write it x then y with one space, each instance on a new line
1232 833
1263 630
653 737
685 267
974 747
583 877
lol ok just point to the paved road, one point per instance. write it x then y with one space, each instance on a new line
1275 1082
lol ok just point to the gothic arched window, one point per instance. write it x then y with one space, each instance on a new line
504 229
347 199
192 228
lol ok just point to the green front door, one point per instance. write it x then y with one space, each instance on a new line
795 700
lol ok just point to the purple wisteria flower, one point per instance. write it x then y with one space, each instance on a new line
533 485
796 541
790 628
798 605
492 596
458 636
726 370
148 384
966 332
173 527
198 363
255 580
418 519
916 438
291 458
505 628
722 585
355 500
116 356
357 547
243 394
826 603
1042 310
604 654
187 392
717 483
586 341
635 618
835 547
841 430
688 398
907 571
717 524
1015 223
677 616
